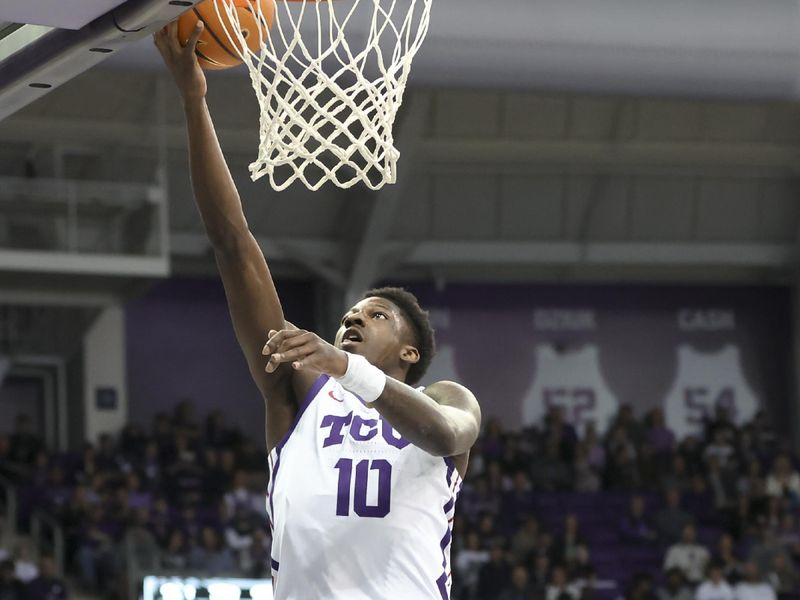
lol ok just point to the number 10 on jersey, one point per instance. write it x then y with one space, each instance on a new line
362 471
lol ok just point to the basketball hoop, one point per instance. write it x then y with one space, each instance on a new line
329 79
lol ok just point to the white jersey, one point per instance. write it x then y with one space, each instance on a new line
703 381
357 512
574 381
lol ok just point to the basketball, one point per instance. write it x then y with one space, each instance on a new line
214 49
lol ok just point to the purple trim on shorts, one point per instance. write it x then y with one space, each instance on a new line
442 584
444 543
274 563
451 467
449 505
312 393
442 581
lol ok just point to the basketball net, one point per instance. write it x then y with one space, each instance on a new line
327 106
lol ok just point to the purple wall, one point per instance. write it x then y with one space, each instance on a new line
493 338
180 344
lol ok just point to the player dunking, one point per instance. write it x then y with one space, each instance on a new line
365 469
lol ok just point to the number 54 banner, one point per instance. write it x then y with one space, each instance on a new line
704 381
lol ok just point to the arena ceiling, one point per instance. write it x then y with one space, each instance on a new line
585 140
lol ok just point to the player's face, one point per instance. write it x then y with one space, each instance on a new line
376 329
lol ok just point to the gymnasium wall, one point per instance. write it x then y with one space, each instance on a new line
603 346
181 345
592 348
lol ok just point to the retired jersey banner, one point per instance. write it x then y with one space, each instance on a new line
520 348
589 349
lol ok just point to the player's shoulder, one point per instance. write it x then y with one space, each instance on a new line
450 393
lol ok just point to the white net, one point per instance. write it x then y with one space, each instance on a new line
329 79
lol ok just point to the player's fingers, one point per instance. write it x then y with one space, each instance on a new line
196 32
159 39
276 338
172 36
294 341
294 353
290 355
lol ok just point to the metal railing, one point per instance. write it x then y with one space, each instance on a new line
81 216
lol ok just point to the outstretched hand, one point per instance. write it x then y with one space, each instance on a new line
181 60
304 350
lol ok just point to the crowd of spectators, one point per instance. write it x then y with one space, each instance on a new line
188 495
711 516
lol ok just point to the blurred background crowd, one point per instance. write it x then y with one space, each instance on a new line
546 513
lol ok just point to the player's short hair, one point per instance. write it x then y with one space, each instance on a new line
420 325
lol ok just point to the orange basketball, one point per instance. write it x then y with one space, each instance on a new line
214 49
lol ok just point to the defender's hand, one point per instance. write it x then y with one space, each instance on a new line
305 350
181 60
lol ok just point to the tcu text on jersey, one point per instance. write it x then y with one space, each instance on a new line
360 430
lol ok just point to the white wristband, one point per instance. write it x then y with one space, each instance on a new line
362 378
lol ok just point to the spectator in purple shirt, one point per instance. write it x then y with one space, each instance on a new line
137 497
635 527
659 436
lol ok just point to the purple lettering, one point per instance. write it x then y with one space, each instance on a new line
355 429
336 423
391 437
360 506
383 505
345 466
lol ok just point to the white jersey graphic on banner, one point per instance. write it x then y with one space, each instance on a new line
705 380
572 380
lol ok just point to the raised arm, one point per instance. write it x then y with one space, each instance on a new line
252 299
